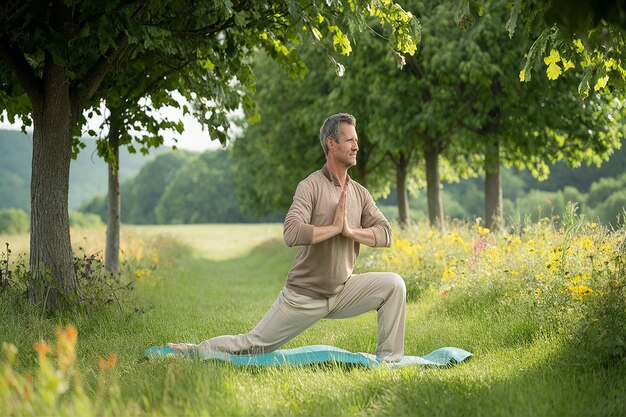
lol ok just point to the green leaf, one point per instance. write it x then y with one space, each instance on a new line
511 24
601 83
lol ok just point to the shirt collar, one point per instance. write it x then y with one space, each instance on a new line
332 177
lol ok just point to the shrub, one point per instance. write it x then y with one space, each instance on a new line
602 189
539 204
611 211
80 219
14 221
569 276
55 388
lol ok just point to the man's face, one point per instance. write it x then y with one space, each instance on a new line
344 152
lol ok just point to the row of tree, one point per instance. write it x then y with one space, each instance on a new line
455 109
180 187
60 59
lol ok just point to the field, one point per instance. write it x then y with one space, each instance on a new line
541 309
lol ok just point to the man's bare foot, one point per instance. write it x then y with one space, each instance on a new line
182 347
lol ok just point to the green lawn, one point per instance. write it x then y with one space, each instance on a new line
224 282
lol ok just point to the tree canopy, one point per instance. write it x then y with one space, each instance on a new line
56 57
587 37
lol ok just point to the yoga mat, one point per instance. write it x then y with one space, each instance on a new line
307 355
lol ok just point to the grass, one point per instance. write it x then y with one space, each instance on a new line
223 283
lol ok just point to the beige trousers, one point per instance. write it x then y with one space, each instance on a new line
293 313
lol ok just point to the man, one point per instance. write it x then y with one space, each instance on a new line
331 215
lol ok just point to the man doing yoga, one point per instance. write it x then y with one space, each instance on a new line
330 217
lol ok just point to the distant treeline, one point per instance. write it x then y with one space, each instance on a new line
180 187
88 173
598 197
185 187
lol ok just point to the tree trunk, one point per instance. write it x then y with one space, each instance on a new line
51 263
112 251
435 206
403 201
493 188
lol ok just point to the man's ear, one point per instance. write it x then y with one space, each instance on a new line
330 142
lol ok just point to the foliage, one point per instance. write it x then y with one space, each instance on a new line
589 39
556 125
517 357
132 57
291 112
201 192
80 219
56 386
148 186
573 275
88 174
13 221
612 210
179 187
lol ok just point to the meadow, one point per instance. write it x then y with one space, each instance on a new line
542 308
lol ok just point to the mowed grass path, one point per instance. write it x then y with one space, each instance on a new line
225 281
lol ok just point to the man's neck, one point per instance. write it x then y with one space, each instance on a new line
340 171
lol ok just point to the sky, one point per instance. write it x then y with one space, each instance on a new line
194 138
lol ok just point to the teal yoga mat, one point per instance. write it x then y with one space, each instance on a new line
307 355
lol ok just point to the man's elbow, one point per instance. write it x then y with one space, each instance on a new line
289 240
298 234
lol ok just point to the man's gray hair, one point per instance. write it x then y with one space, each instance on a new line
331 128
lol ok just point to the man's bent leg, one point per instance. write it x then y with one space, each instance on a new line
289 316
381 291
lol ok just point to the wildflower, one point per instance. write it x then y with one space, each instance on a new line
42 348
10 351
538 292
108 362
579 292
27 393
66 346
482 230
449 272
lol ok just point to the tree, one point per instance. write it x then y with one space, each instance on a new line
202 191
58 53
285 145
588 36
553 124
142 193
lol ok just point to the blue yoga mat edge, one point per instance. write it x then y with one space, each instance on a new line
317 354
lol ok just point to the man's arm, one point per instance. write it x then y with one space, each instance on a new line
375 230
297 229
363 236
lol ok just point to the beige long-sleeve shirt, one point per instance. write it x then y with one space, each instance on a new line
320 270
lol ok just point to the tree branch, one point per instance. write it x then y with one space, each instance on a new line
121 5
94 77
22 70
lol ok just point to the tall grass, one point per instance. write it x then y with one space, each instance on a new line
535 351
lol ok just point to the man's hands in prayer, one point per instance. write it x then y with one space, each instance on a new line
341 226
363 236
